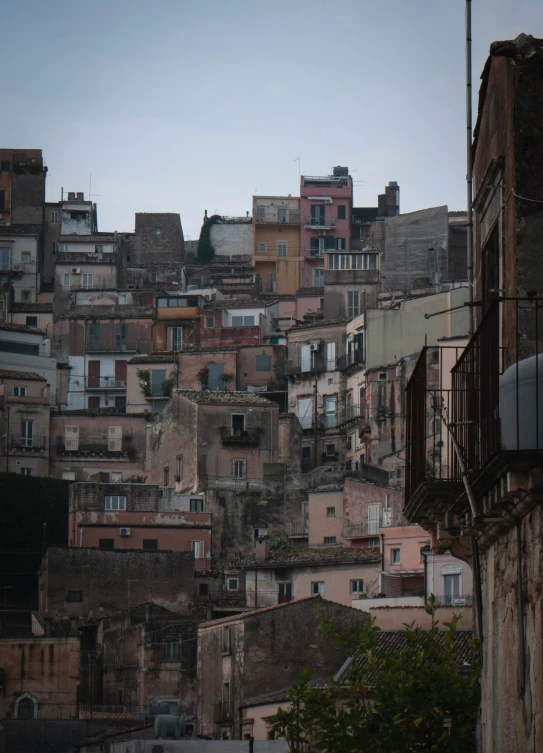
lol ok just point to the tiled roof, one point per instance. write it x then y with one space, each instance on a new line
225 398
256 612
23 328
240 303
24 308
326 555
31 376
310 291
321 323
20 229
210 349
97 412
152 359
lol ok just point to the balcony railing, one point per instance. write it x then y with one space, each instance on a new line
358 530
459 600
350 359
111 345
105 383
238 437
291 218
15 266
316 365
28 443
297 528
320 223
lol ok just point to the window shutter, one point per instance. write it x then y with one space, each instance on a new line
115 438
71 437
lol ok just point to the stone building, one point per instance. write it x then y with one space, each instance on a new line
158 238
238 657
277 258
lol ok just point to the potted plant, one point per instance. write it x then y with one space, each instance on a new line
226 378
144 377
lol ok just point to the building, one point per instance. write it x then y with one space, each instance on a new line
158 239
230 237
325 220
136 516
276 257
176 322
28 348
25 406
351 281
497 500
237 657
79 583
240 321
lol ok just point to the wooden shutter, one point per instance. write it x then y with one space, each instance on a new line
373 519
115 438
94 374
120 371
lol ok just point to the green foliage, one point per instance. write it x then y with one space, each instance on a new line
411 701
278 540
144 376
226 378
136 479
206 251
203 377
167 384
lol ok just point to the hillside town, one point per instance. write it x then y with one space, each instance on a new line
315 408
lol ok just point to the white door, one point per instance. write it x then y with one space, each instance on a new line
305 358
373 520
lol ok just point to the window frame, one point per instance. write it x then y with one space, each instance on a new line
330 512
197 547
110 505
170 651
282 248
319 590
329 540
197 503
150 545
268 361
242 464
19 390
73 591
356 590
396 560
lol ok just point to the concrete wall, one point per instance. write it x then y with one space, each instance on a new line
232 239
394 613
321 524
190 365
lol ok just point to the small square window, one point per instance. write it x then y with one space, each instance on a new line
330 450
121 298
26 471
26 295
232 584
330 512
150 545
31 321
210 322
106 544
94 402
158 231
317 588
395 556
383 376
203 589
262 248
170 651
357 586
75 594
19 391
330 540
196 505
27 258
373 542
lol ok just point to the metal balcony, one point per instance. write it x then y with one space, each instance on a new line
105 383
292 218
354 358
35 443
111 345
238 438
320 223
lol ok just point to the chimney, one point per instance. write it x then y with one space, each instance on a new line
80 196
261 550
71 195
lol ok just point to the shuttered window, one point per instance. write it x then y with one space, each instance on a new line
71 438
114 438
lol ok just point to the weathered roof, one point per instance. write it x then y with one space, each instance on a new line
30 308
225 398
256 612
23 328
209 349
20 229
321 323
31 376
325 555
310 291
97 412
152 359
240 303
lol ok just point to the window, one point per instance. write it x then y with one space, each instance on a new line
210 322
158 230
94 402
306 459
121 299
150 545
63 247
387 516
27 258
19 391
349 465
26 471
329 539
243 321
260 212
106 544
353 303
341 246
270 283
319 278
282 248
115 438
330 356
154 277
26 295
197 548
281 214
5 166
75 594
330 512
170 651
263 363
120 401
285 593
54 218
31 321
27 433
232 583
238 423
226 638
4 255
341 212
305 412
196 505
451 587
116 477
395 556
115 502
373 542
262 248
330 410
203 589
383 376
88 279
179 467
317 588
166 475
175 338
226 698
357 586
66 280
68 475
373 519
239 468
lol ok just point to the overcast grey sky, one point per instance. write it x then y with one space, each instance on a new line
186 105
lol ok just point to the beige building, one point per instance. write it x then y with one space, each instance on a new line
277 258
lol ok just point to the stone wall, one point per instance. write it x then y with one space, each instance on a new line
159 238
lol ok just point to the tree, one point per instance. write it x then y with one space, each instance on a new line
414 700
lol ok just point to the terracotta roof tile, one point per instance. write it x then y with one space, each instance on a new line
44 308
23 328
31 376
152 359
326 555
225 398
310 291
256 612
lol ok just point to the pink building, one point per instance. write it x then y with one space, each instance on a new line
325 222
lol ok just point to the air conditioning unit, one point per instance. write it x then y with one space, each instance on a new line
313 346
120 384
76 271
124 531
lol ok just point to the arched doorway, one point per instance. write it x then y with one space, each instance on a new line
26 707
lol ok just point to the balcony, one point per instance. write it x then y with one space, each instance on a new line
351 276
239 437
317 365
297 529
111 345
316 253
105 383
320 223
354 358
17 268
291 218
361 530
28 444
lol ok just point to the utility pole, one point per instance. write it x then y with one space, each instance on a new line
315 427
469 171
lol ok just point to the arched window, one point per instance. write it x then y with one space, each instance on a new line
26 707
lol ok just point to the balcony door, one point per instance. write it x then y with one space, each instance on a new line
4 258
120 373
285 593
27 433
317 215
373 520
93 374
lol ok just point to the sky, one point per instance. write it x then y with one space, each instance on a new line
187 105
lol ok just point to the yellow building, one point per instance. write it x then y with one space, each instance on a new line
276 243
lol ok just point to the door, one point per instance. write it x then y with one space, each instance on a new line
451 587
94 336
305 358
120 373
121 335
373 520
214 371
281 214
175 338
158 377
317 215
305 412
330 410
330 356
285 593
93 379
27 433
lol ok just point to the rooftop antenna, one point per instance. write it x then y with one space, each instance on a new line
299 167
90 188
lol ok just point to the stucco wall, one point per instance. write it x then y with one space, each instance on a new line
232 239
321 524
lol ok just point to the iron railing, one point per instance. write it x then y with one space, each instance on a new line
28 443
105 383
317 364
320 222
111 344
237 437
291 218
350 359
